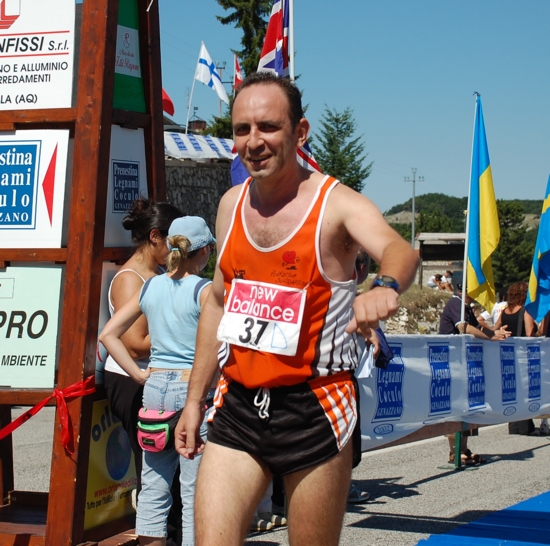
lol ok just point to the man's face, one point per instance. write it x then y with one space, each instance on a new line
264 137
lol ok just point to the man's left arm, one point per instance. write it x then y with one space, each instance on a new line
367 227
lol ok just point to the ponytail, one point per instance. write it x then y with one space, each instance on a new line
178 245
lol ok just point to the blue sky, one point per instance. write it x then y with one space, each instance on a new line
408 69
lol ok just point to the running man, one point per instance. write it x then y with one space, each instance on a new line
280 315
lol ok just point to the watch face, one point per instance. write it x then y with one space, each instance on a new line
387 281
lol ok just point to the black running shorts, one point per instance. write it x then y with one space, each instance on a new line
303 425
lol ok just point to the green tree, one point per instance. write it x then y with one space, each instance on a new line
250 16
514 254
221 127
339 153
433 222
405 230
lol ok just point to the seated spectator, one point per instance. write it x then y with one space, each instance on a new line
450 322
447 281
438 281
432 281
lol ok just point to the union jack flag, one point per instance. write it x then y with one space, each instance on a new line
305 158
274 57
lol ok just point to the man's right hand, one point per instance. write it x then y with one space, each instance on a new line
187 434
370 307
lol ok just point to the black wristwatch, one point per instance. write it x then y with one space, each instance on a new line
386 281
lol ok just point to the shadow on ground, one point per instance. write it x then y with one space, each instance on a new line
405 523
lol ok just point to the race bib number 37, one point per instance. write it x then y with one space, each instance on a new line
262 316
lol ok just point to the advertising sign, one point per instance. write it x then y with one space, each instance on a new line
508 372
389 387
33 168
476 376
128 82
36 53
127 181
29 325
440 374
437 379
111 471
533 359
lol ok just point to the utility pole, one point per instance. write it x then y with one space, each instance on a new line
408 179
220 68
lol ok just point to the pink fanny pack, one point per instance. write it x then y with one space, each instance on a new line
155 429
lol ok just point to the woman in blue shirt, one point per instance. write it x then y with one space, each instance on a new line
171 304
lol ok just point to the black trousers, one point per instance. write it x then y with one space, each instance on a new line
521 427
125 397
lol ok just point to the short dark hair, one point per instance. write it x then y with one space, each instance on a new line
291 92
362 265
147 215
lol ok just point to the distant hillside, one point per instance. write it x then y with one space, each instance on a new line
453 207
438 203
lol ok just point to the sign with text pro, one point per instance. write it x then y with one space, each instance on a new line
29 325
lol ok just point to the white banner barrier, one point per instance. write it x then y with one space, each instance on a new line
433 379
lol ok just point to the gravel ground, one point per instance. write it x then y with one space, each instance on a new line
32 450
411 496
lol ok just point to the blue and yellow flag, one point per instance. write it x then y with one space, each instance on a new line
538 296
483 228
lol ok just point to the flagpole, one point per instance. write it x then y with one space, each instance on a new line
465 262
234 72
291 39
192 89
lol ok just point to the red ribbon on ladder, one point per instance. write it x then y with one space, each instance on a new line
82 388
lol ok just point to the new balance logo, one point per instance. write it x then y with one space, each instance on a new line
10 10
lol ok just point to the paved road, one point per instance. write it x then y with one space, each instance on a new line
411 497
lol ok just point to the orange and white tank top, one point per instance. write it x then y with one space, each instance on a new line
284 319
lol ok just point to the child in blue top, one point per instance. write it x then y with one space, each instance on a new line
172 304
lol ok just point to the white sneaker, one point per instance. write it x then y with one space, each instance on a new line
259 524
356 496
275 519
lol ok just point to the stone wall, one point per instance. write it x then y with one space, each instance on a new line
196 188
